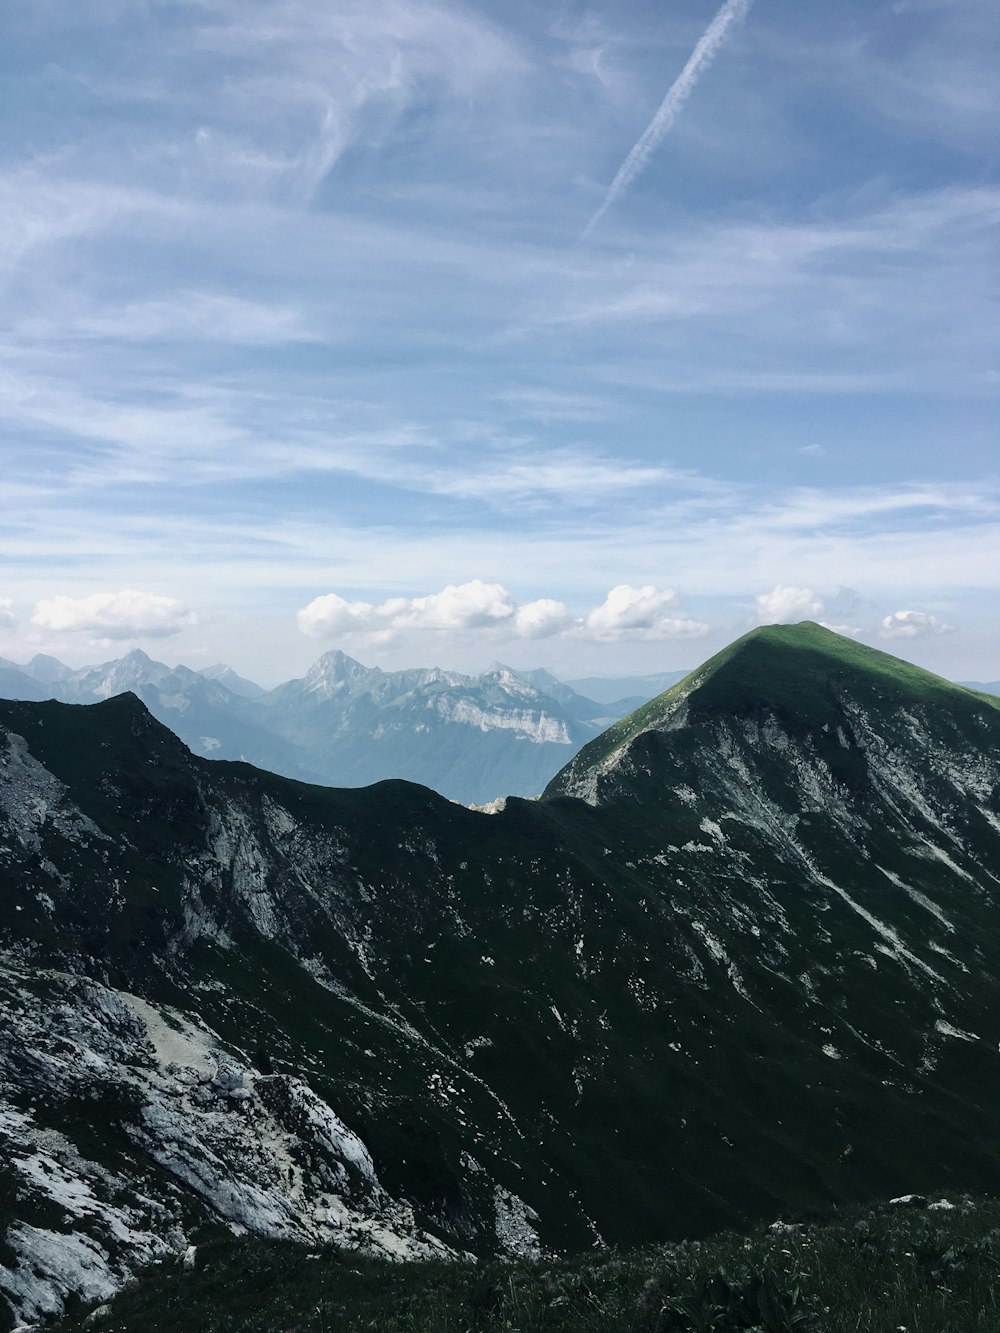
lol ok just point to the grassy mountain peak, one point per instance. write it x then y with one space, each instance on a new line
801 673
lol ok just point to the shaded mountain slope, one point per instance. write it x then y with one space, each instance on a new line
745 953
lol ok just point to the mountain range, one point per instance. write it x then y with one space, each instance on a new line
472 738
743 954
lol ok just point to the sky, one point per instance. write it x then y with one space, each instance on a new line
578 335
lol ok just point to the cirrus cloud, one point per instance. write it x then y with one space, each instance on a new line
128 614
912 624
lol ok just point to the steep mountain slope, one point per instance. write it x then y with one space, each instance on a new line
745 953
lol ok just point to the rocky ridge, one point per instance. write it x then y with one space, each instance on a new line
743 954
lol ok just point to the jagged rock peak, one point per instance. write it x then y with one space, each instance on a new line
135 668
333 670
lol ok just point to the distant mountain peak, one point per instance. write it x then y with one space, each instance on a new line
504 673
224 675
538 678
46 669
333 670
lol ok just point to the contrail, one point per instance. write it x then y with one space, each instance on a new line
681 89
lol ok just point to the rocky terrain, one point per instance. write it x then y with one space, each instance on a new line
472 738
742 955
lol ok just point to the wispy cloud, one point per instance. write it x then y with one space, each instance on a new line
867 270
575 476
183 316
41 207
190 434
305 83
680 90
552 405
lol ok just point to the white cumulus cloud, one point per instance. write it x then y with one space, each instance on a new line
7 618
785 604
115 615
331 614
461 606
629 612
626 612
911 624
541 619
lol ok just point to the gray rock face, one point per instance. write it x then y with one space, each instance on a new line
260 1152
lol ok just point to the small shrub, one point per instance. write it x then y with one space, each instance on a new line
757 1303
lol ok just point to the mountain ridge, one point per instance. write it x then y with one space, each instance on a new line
532 1021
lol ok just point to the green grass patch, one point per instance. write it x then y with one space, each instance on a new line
877 1270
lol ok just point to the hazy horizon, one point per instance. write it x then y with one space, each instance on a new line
171 659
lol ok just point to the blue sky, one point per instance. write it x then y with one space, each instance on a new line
307 342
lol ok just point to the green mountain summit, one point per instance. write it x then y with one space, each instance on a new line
801 673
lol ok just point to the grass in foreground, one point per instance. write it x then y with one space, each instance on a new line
880 1270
